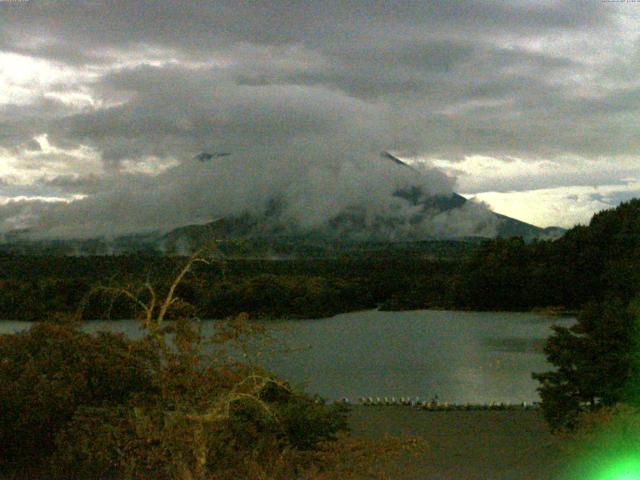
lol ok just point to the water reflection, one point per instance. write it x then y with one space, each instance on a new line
516 345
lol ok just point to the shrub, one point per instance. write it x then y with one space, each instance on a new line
102 406
234 429
47 372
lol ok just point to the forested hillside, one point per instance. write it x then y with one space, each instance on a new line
587 263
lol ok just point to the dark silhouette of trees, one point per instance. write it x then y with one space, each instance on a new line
595 362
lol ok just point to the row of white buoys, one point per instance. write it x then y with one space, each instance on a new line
389 401
435 405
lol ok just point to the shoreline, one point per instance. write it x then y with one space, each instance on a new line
546 311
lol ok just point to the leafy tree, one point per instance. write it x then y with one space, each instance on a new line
595 362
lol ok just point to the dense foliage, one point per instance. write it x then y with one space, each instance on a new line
76 405
51 370
36 288
589 263
595 360
594 269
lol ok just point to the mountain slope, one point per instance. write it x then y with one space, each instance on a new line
407 213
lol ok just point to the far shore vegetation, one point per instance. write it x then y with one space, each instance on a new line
589 263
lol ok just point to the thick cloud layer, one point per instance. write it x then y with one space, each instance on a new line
110 101
309 192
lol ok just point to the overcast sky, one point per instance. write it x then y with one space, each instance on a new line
531 106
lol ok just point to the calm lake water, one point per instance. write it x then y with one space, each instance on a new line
458 356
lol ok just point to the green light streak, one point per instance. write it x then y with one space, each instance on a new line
623 469
611 451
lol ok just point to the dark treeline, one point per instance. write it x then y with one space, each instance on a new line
39 287
586 264
589 263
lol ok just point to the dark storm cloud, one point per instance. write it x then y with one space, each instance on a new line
418 57
198 26
178 111
307 89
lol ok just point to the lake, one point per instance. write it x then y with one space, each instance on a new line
461 357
